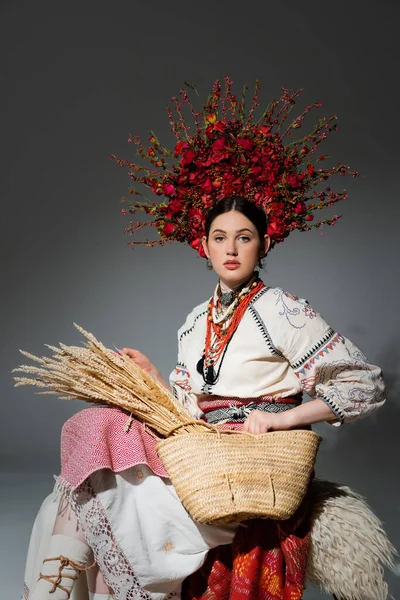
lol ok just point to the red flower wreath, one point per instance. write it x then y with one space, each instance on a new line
235 155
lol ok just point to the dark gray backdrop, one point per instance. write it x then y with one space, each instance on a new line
76 78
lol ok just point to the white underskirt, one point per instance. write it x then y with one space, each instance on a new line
144 541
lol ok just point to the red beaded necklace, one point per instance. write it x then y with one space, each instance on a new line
217 334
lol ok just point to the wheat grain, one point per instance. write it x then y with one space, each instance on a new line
94 373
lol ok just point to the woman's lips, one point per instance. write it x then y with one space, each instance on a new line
231 266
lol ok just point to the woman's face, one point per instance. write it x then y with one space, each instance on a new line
233 246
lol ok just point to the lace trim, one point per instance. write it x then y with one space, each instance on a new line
115 567
25 594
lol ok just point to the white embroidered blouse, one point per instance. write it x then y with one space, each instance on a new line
280 348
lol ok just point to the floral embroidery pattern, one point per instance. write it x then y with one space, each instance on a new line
168 547
288 312
309 312
184 384
308 383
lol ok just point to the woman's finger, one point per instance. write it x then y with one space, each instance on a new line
130 352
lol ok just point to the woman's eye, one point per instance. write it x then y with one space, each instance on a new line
218 238
244 238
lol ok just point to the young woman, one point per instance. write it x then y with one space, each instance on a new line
244 358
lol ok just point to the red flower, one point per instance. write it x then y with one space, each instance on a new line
168 189
195 243
207 186
256 171
309 218
210 119
300 208
245 143
258 197
195 216
276 210
157 188
219 126
265 130
168 228
219 151
188 157
175 207
180 147
151 152
310 169
293 180
277 230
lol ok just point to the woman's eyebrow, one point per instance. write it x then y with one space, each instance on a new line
237 231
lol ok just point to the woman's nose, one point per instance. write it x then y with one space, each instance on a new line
231 248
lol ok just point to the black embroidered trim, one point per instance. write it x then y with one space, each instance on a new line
264 331
335 408
260 293
181 365
192 327
223 414
329 334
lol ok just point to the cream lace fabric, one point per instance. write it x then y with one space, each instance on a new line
143 539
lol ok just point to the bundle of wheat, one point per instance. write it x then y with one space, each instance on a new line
94 373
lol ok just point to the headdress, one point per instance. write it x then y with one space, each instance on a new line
233 152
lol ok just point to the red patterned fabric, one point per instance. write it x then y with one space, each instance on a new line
208 403
95 438
266 561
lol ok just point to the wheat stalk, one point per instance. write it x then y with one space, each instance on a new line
94 373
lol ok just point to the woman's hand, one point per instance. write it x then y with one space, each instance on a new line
259 421
145 363
141 360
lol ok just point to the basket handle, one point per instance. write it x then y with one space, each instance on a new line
201 425
198 424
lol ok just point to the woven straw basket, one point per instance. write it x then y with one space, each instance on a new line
224 476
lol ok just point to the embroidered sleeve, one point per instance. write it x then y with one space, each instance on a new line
179 381
328 365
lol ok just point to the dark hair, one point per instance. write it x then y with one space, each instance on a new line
249 209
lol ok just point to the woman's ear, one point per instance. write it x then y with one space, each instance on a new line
205 246
267 244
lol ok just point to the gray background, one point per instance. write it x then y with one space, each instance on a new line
76 78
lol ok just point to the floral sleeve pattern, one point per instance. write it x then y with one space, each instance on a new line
328 365
179 381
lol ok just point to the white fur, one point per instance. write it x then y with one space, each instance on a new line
349 546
